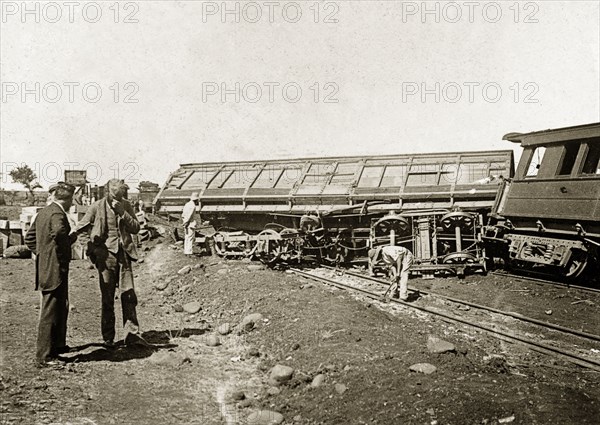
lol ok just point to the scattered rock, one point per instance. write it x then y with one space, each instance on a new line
192 308
548 312
255 267
17 251
184 270
249 322
506 420
496 363
437 346
162 285
253 352
265 417
223 271
238 395
168 358
213 341
224 329
425 368
245 403
340 388
178 308
317 380
198 266
280 374
273 391
295 346
141 260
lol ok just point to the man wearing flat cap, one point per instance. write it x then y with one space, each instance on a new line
50 238
111 221
190 219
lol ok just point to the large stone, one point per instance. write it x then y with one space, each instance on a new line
17 251
238 395
318 381
280 374
249 322
224 329
255 267
437 346
184 270
162 285
192 308
425 368
213 341
168 358
340 388
265 417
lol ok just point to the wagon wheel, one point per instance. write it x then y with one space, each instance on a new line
577 264
463 220
398 224
459 258
268 246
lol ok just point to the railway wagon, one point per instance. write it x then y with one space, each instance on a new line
549 214
337 208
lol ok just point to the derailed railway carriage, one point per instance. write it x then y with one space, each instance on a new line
337 209
547 218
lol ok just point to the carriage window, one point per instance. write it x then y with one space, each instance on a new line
370 177
344 174
240 179
423 175
199 178
289 177
393 176
318 173
218 180
267 178
536 161
568 161
591 164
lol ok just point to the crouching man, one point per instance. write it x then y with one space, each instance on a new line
398 261
111 222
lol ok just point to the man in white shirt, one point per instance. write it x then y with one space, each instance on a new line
398 261
190 220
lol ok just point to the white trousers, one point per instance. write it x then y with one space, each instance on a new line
189 241
399 259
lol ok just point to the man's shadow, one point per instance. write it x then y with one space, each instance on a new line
156 340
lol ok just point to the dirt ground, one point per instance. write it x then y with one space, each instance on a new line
364 350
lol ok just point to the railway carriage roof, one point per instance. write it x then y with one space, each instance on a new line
544 137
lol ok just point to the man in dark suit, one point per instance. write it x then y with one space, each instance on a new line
50 238
111 222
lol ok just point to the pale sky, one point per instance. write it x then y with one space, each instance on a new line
375 61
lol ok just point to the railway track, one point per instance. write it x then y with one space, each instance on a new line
483 307
540 281
496 333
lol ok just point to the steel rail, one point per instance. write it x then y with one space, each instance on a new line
547 282
535 346
484 307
